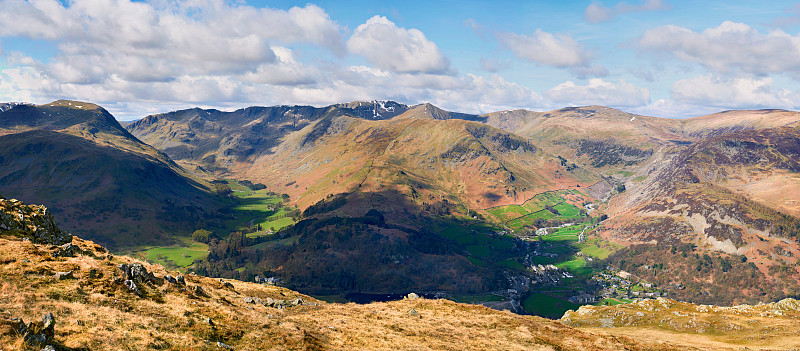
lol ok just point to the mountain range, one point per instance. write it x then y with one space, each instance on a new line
379 182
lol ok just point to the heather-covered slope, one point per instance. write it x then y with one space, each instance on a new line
100 181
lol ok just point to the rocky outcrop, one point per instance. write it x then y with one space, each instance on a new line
33 222
38 333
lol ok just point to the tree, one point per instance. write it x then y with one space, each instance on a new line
201 236
223 189
620 187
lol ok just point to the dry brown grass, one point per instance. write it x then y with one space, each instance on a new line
100 314
663 321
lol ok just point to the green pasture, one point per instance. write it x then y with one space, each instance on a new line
176 256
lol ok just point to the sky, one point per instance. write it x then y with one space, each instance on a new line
665 58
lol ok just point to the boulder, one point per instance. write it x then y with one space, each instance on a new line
226 284
64 275
42 332
131 285
67 250
137 273
180 279
413 313
170 279
198 290
412 296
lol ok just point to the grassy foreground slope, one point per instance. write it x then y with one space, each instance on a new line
86 291
770 326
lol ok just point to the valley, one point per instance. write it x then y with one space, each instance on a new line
537 213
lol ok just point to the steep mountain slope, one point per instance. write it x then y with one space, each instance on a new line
93 300
466 163
602 138
610 139
100 181
217 141
735 194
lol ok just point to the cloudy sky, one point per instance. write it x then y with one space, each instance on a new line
664 58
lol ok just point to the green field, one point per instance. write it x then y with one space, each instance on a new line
519 216
178 257
547 306
253 208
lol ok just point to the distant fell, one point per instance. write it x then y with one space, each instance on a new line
98 179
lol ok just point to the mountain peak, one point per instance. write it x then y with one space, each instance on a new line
79 105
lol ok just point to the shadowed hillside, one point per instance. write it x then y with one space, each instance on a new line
100 181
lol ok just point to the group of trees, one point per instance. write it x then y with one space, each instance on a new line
703 277
333 255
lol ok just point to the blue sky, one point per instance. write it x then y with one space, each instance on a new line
654 57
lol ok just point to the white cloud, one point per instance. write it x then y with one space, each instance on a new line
286 71
728 47
727 93
597 12
561 51
161 41
598 92
396 49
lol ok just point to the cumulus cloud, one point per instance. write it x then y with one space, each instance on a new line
146 42
597 12
598 92
396 49
729 47
727 93
561 51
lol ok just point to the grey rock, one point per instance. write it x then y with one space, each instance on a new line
180 279
412 296
131 285
33 223
296 302
67 250
198 290
170 279
49 348
224 346
137 273
41 333
413 313
19 326
64 275
248 300
48 321
209 321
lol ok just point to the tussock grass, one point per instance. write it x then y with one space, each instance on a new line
95 311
